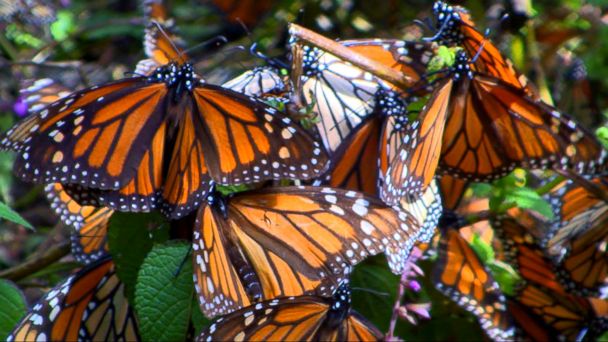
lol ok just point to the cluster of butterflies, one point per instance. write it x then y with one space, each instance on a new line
368 173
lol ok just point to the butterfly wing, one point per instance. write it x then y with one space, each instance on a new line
452 190
248 141
494 127
411 156
352 164
258 82
244 12
426 208
295 241
83 138
283 319
341 94
89 242
456 28
89 305
460 275
295 319
578 236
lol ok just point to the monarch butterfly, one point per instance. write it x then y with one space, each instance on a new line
452 190
290 241
183 134
89 241
455 28
295 319
410 159
341 94
578 238
522 251
460 275
90 223
350 164
488 119
563 314
90 305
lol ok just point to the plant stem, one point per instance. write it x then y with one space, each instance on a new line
380 70
390 335
37 262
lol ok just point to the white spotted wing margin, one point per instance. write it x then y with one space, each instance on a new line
300 318
293 241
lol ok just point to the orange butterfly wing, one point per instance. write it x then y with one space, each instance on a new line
411 156
248 141
460 275
89 305
291 241
456 28
494 128
90 224
295 319
352 164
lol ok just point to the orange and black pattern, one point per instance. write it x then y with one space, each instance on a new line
89 239
295 319
493 127
290 241
459 274
90 305
182 134
542 306
578 237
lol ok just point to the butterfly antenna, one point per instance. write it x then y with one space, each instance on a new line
273 62
208 45
439 32
161 29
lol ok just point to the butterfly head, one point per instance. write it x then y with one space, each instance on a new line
447 20
391 103
340 306
218 201
176 76
310 61
461 68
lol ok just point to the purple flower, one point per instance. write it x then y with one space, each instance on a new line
20 107
414 286
420 309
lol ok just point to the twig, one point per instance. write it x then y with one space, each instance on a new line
37 262
378 69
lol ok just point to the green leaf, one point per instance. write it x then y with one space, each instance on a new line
527 198
481 189
63 26
164 293
9 214
199 321
130 238
484 251
602 135
13 307
505 276
374 275
231 189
